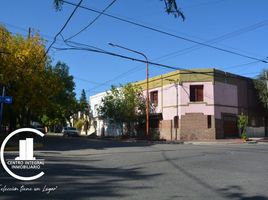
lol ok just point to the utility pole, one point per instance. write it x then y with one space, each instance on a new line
29 32
2 107
266 81
147 85
176 83
177 109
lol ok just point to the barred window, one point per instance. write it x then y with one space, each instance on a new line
196 93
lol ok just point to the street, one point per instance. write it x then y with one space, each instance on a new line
82 168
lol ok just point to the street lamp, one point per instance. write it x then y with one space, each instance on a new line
147 83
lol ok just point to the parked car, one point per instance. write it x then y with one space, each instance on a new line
70 132
39 128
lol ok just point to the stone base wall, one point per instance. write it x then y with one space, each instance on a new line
219 129
192 126
166 129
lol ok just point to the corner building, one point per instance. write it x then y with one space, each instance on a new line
203 104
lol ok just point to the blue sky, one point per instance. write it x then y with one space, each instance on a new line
205 20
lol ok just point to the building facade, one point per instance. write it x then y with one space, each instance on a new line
99 126
202 105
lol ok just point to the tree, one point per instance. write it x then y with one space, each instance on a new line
63 103
261 85
85 120
170 7
242 125
25 75
40 91
125 104
83 104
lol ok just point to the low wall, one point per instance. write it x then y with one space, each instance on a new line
255 131
192 126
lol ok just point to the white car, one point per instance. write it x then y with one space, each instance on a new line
70 132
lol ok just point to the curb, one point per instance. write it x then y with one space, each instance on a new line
16 148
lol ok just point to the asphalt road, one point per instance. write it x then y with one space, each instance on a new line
80 168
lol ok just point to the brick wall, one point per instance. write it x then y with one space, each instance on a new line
194 126
219 128
166 129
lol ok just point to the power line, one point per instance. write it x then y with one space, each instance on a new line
98 50
220 38
217 39
167 33
135 68
117 55
85 80
185 71
65 24
116 77
173 54
93 21
44 36
241 65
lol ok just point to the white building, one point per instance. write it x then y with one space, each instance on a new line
199 106
99 126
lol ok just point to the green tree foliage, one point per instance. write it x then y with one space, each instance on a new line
83 104
25 75
242 125
125 104
85 118
260 85
39 90
63 103
171 7
79 124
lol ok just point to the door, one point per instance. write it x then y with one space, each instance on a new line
230 126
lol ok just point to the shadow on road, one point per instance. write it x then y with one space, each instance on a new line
76 179
67 144
231 192
236 192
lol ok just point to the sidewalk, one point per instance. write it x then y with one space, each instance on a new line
53 134
260 140
218 141
263 140
206 142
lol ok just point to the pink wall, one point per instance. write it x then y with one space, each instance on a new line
169 100
218 97
226 99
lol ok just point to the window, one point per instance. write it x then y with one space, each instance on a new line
154 97
176 122
196 93
95 109
209 121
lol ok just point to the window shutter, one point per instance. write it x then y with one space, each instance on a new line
200 93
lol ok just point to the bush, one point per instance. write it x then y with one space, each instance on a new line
155 134
79 124
242 125
244 136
